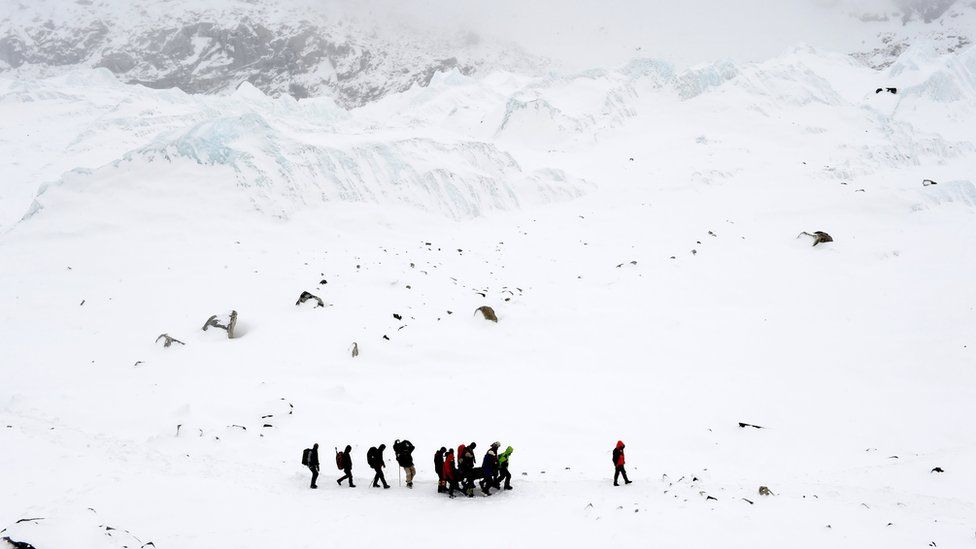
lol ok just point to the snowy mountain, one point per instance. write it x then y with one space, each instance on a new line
281 48
946 25
637 229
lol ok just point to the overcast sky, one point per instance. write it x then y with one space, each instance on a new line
600 32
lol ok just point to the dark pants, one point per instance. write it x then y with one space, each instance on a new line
348 475
503 474
487 481
379 477
315 474
453 485
620 471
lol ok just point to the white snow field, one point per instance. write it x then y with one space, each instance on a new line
634 229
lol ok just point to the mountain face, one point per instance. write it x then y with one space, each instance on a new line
947 25
287 49
215 48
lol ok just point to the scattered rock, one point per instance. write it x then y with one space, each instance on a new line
17 544
747 501
744 425
487 312
765 491
167 340
229 327
307 296
819 237
355 349
938 470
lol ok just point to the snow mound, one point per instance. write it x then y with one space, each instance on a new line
71 529
958 192
537 122
281 172
953 79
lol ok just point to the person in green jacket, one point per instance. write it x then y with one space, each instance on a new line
503 461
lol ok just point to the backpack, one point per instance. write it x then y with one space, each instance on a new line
306 454
371 457
340 460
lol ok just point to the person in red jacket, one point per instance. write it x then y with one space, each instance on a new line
618 463
450 472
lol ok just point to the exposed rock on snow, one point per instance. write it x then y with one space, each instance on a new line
819 237
229 327
305 296
487 312
167 340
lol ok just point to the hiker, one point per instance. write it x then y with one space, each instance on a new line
618 463
450 472
466 467
374 458
313 463
489 468
344 462
403 450
439 468
503 474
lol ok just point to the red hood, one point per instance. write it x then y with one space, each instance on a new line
620 445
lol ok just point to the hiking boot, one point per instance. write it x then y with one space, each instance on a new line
351 485
386 486
508 487
314 487
628 481
615 484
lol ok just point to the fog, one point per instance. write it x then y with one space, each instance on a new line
584 33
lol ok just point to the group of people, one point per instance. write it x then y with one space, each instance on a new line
403 451
458 472
455 472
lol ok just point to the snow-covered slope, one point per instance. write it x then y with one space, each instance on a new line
636 232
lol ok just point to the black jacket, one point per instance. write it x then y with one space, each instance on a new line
439 460
468 459
374 457
313 458
347 459
404 453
